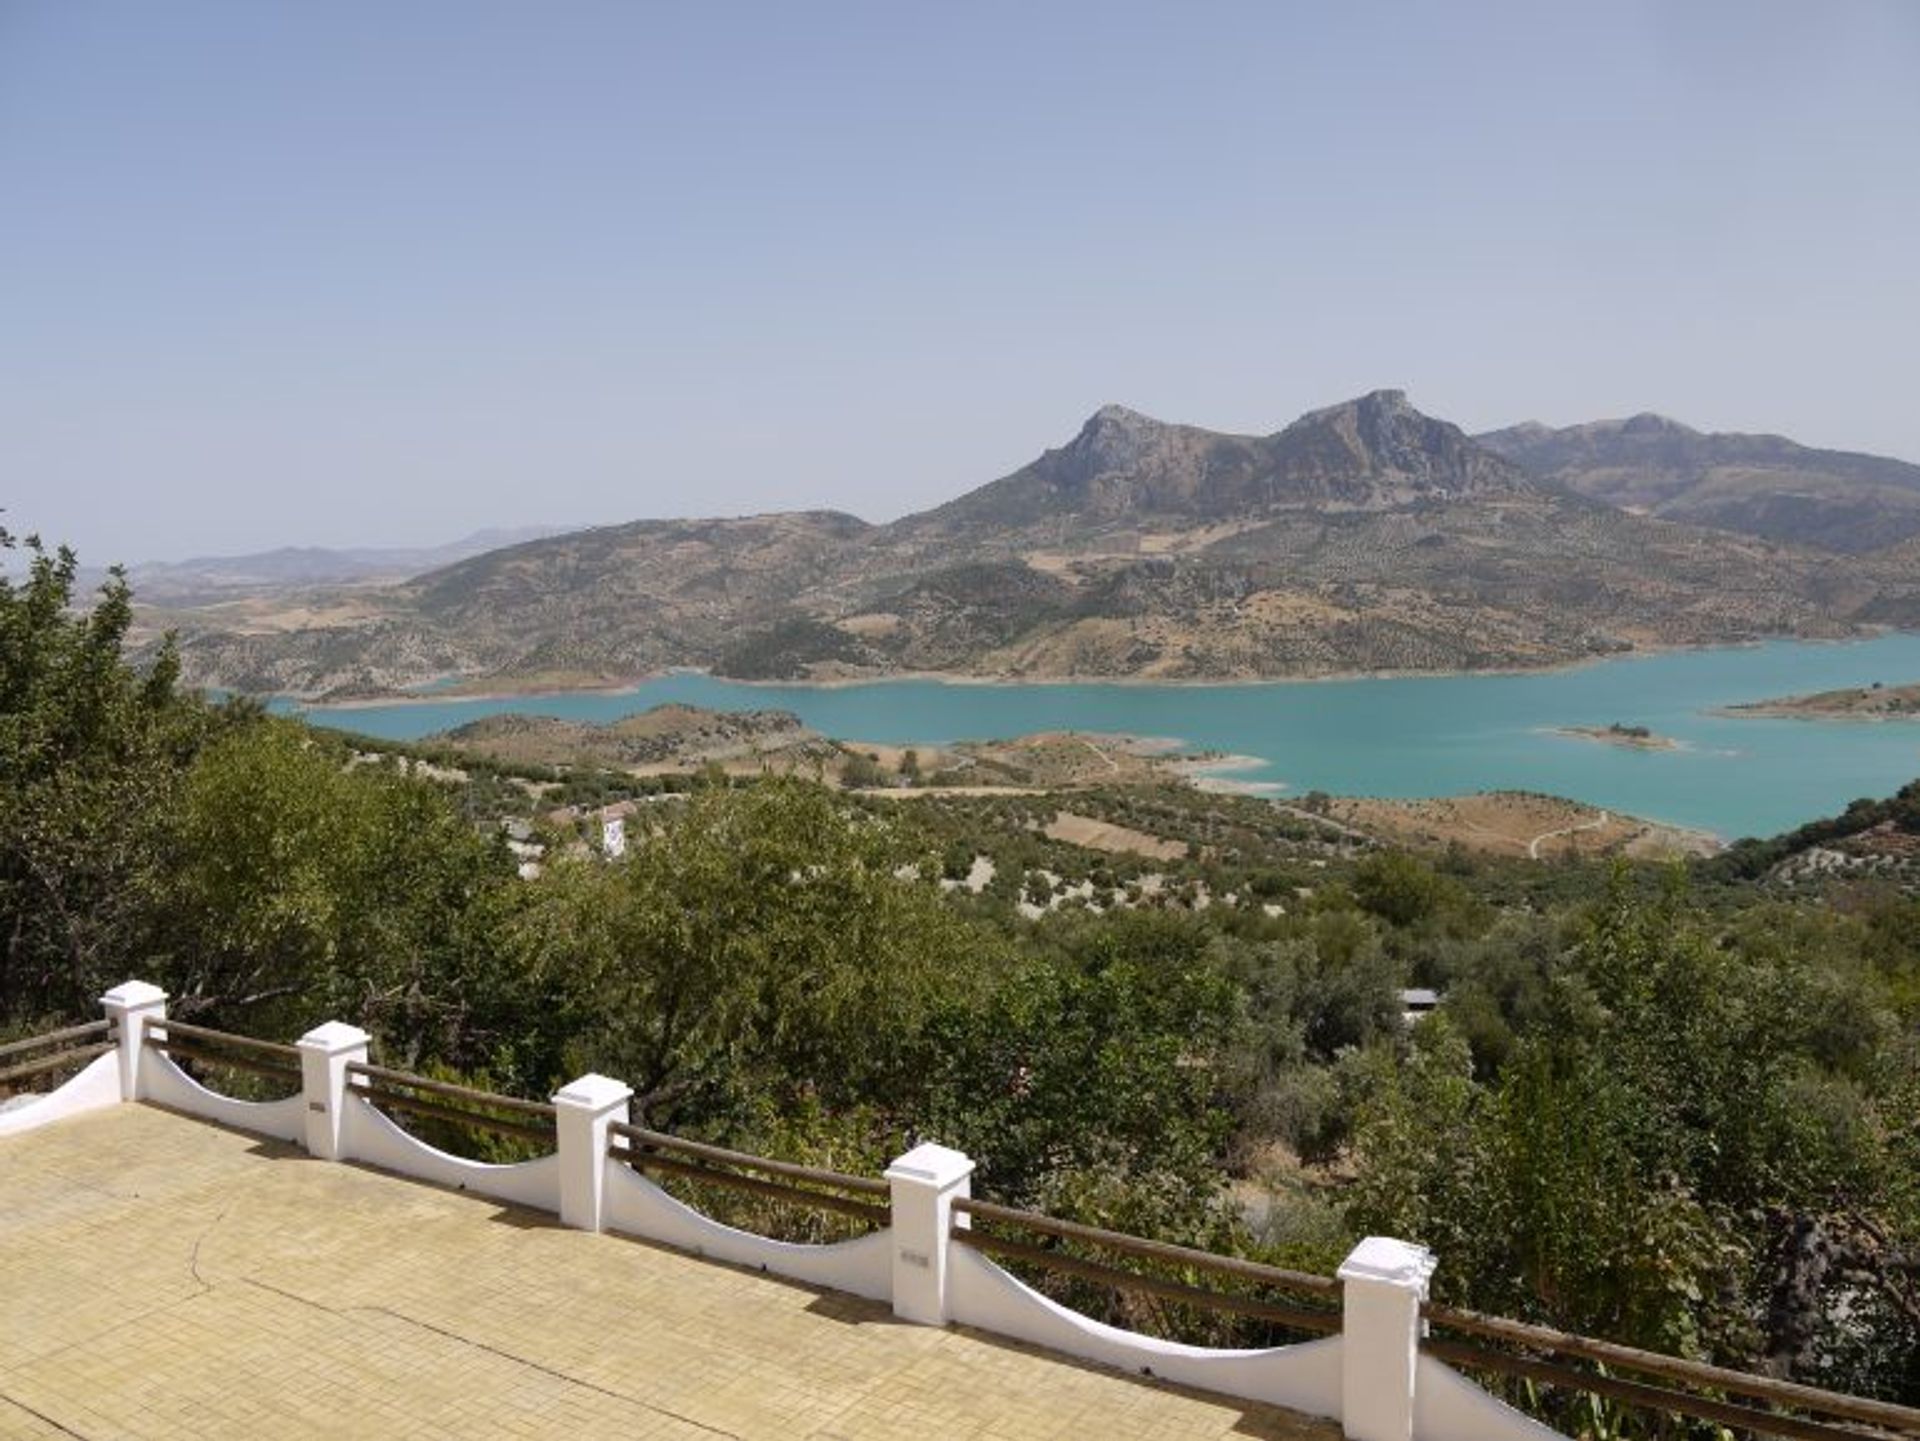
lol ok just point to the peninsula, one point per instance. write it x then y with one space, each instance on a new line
1873 702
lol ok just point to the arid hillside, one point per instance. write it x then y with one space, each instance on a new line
1363 537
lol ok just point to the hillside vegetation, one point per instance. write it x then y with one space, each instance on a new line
1669 1105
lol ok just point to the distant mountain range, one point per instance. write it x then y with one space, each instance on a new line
1366 536
306 565
1761 485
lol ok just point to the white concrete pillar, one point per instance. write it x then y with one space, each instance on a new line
325 1053
131 1006
582 1111
1385 1282
925 1183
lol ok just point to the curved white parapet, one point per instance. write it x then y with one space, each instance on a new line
95 1085
367 1135
635 1205
1305 1377
164 1083
1449 1407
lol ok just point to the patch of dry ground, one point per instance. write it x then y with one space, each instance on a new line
1513 823
1070 758
1098 835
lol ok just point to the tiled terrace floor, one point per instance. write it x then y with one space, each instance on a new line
162 1277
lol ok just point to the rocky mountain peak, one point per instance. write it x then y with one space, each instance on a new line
1374 412
1115 438
1381 436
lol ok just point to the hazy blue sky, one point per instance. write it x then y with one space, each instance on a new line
384 273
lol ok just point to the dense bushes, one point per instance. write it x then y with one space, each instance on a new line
1670 1108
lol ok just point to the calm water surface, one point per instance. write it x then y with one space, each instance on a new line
1413 736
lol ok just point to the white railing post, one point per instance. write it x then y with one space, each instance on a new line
325 1053
1385 1282
131 1006
925 1183
582 1111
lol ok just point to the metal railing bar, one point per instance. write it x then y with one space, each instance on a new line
1298 1317
818 1200
53 1063
448 1088
1274 1276
866 1185
1657 1398
1676 1368
54 1038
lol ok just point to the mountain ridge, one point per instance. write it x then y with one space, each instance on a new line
1365 535
1369 452
1756 484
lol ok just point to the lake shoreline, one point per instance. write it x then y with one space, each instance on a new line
961 680
633 685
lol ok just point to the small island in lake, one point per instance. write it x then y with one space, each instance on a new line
1633 737
1867 702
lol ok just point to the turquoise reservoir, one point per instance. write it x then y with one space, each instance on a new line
1407 736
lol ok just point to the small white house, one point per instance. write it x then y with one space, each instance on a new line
1417 1003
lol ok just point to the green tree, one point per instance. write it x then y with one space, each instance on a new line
90 759
764 942
1088 1081
859 771
299 887
1685 1109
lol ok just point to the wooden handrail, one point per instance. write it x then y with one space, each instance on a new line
68 1057
794 1195
167 1026
1301 1318
1656 1398
54 1038
659 1140
266 1064
448 1088
394 1100
1903 1419
1275 1276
